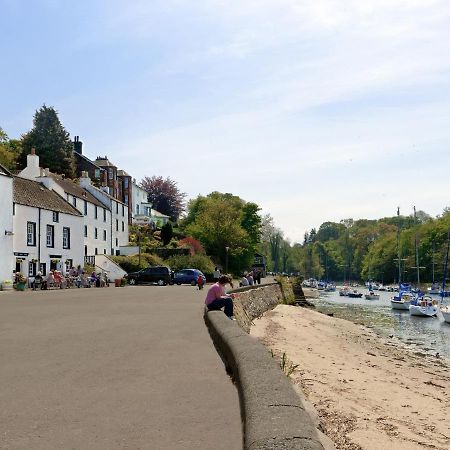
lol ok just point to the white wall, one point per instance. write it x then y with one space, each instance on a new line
40 252
6 224
112 270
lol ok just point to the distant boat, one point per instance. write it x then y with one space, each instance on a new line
343 292
354 294
371 296
445 310
402 300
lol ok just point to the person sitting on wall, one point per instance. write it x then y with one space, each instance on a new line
216 299
244 281
250 279
38 282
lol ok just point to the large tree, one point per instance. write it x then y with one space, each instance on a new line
51 141
164 195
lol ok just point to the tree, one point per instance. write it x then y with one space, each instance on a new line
51 141
164 195
166 233
9 151
221 221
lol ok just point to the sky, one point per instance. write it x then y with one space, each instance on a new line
316 110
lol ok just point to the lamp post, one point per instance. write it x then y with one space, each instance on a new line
226 259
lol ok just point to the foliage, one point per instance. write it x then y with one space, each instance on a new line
195 246
164 196
51 141
9 151
220 221
286 287
131 263
200 262
166 233
286 365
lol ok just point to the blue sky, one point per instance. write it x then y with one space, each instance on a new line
315 109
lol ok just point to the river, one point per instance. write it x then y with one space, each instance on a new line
430 335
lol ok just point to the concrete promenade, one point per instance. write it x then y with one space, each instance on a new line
129 368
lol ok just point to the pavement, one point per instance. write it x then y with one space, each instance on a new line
112 368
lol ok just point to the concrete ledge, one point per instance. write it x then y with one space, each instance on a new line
273 415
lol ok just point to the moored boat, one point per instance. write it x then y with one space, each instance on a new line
424 307
354 294
445 310
402 300
371 296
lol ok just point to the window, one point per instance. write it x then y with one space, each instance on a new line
110 173
104 235
50 236
104 251
96 212
96 251
126 199
137 209
31 269
74 201
55 216
117 242
117 208
125 183
96 233
97 173
104 215
85 208
85 231
31 234
123 226
66 237
117 224
85 250
14 209
43 268
123 210
68 264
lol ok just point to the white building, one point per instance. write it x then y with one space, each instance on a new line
119 214
141 206
47 229
6 225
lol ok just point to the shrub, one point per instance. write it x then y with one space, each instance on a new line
131 263
200 262
193 244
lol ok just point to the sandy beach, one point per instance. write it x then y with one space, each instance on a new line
370 393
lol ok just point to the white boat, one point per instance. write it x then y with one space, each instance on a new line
371 296
424 307
445 310
402 301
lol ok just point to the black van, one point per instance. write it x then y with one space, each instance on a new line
155 274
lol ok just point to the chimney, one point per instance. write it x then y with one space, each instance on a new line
84 179
32 170
77 145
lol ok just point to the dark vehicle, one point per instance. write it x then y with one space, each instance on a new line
156 274
188 276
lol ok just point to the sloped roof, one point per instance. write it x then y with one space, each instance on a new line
155 213
76 154
122 173
74 189
104 162
31 193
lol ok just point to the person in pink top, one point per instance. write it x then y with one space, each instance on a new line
216 299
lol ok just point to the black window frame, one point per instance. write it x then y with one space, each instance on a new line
52 243
55 216
33 242
67 244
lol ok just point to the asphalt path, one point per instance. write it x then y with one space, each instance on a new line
112 368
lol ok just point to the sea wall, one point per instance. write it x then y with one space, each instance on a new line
273 415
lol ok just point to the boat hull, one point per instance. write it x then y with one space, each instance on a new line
423 311
371 296
399 304
446 314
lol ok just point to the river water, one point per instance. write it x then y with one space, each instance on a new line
428 335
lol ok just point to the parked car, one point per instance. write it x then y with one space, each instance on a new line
155 274
188 276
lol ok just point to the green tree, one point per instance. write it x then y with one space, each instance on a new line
166 233
51 141
9 151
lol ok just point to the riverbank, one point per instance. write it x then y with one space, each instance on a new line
370 393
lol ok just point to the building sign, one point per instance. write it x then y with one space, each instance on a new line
55 256
20 254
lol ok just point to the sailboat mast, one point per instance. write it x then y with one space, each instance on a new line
398 249
445 268
417 250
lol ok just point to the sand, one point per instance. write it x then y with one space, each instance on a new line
370 393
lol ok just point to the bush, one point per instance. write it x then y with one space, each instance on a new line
200 262
131 263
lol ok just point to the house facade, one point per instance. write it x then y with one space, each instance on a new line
47 229
119 214
141 213
6 225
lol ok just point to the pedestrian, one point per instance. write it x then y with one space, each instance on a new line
244 281
216 274
216 299
200 282
250 279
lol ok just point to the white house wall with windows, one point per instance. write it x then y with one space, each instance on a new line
119 214
6 225
48 231
141 206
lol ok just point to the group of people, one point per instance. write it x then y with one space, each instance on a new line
250 278
74 278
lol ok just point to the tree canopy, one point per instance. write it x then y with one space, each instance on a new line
9 151
164 195
51 141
